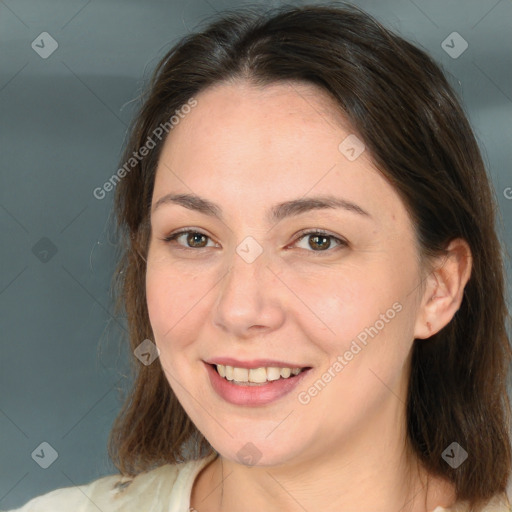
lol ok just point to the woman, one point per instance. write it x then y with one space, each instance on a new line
312 279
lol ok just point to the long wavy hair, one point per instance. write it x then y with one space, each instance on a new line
402 107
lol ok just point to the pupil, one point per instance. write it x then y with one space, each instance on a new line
319 245
192 238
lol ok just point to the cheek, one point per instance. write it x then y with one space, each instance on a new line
369 307
165 310
340 301
163 284
177 301
157 297
168 296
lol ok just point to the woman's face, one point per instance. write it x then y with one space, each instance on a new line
253 286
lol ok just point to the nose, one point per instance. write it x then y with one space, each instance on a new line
249 298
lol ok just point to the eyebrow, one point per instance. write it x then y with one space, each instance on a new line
275 214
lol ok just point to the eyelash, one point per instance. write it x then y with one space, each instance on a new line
341 243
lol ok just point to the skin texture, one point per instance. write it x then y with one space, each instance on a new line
247 148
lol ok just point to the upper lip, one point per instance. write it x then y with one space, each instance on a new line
253 363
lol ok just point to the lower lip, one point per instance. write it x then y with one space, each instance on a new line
253 395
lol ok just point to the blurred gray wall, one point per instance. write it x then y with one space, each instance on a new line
63 121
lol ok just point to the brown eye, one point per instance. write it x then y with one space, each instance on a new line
321 242
193 239
196 239
318 241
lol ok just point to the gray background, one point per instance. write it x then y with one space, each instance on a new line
63 124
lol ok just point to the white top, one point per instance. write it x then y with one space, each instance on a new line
164 489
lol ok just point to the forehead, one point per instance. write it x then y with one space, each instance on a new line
285 126
286 98
292 108
251 145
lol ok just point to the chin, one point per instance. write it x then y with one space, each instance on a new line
255 450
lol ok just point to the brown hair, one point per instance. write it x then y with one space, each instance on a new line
401 106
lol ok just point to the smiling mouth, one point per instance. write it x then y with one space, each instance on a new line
256 376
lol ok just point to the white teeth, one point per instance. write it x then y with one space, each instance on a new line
273 373
241 374
285 372
255 375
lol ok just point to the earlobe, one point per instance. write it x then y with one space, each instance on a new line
444 289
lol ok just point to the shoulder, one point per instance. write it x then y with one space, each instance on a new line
112 493
500 503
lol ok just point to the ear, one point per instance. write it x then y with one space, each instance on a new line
444 289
